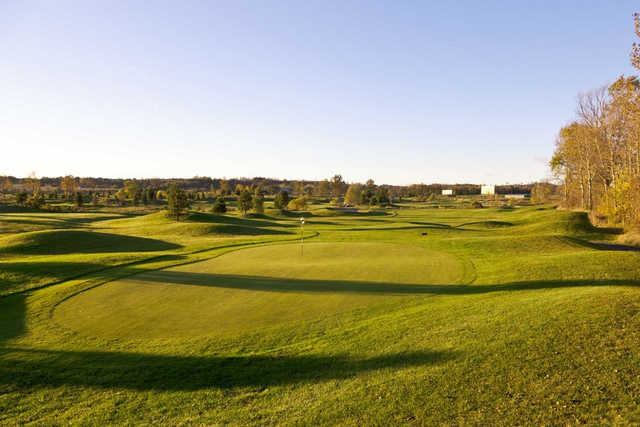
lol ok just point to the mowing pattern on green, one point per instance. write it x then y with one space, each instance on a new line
253 288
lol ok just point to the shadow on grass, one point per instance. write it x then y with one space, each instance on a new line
488 224
601 246
84 242
13 313
60 221
29 276
276 284
18 276
232 220
29 368
241 230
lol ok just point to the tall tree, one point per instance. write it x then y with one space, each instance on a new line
34 184
245 201
177 202
337 186
281 200
635 50
68 186
353 195
5 184
258 202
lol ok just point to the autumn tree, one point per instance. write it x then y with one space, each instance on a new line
299 203
353 195
635 50
5 184
34 184
322 188
69 186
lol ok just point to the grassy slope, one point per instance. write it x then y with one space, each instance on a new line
546 333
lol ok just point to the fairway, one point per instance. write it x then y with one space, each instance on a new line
411 315
257 287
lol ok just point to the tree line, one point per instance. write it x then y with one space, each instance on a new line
597 155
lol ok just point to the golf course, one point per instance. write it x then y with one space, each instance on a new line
420 313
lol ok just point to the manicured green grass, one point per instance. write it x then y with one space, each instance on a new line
494 316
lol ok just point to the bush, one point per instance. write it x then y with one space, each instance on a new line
219 206
298 204
35 201
281 200
258 203
477 205
21 198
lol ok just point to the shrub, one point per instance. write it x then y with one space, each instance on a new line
219 206
477 205
298 204
281 200
258 202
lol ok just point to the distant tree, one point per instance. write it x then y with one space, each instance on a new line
137 197
238 189
225 187
541 192
258 202
21 198
298 204
219 206
354 194
382 196
177 202
78 200
323 188
5 184
370 184
68 186
95 200
34 184
245 202
131 188
281 200
35 200
298 188
145 198
121 196
337 186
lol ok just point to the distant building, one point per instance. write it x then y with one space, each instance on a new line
447 192
488 190
516 196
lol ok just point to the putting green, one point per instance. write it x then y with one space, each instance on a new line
258 287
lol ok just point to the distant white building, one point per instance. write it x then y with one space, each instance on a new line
448 192
515 196
488 190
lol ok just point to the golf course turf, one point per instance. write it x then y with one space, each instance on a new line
407 315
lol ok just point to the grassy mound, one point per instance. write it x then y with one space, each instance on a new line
75 241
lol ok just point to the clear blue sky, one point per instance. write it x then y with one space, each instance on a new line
397 91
